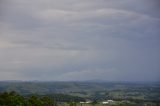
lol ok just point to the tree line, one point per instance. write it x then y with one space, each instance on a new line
14 99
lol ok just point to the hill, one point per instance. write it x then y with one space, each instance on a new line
88 90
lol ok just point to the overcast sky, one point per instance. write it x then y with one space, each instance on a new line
112 40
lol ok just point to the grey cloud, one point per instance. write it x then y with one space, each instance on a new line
79 40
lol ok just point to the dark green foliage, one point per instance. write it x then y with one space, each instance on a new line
100 91
46 101
50 92
72 104
14 99
11 99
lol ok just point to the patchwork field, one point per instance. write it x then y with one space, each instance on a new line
64 93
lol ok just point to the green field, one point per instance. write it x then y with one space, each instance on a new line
114 104
88 90
123 94
15 99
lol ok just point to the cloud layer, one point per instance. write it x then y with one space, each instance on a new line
80 40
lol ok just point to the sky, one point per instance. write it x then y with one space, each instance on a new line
79 40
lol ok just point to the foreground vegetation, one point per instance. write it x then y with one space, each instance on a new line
72 93
88 90
15 99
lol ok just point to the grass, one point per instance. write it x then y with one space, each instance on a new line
78 104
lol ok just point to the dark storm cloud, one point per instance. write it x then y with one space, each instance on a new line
80 40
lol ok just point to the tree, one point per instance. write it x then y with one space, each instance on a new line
11 99
72 104
46 101
34 101
94 102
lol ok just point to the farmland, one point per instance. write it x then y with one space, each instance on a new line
64 93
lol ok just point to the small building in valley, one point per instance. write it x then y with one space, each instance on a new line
107 102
